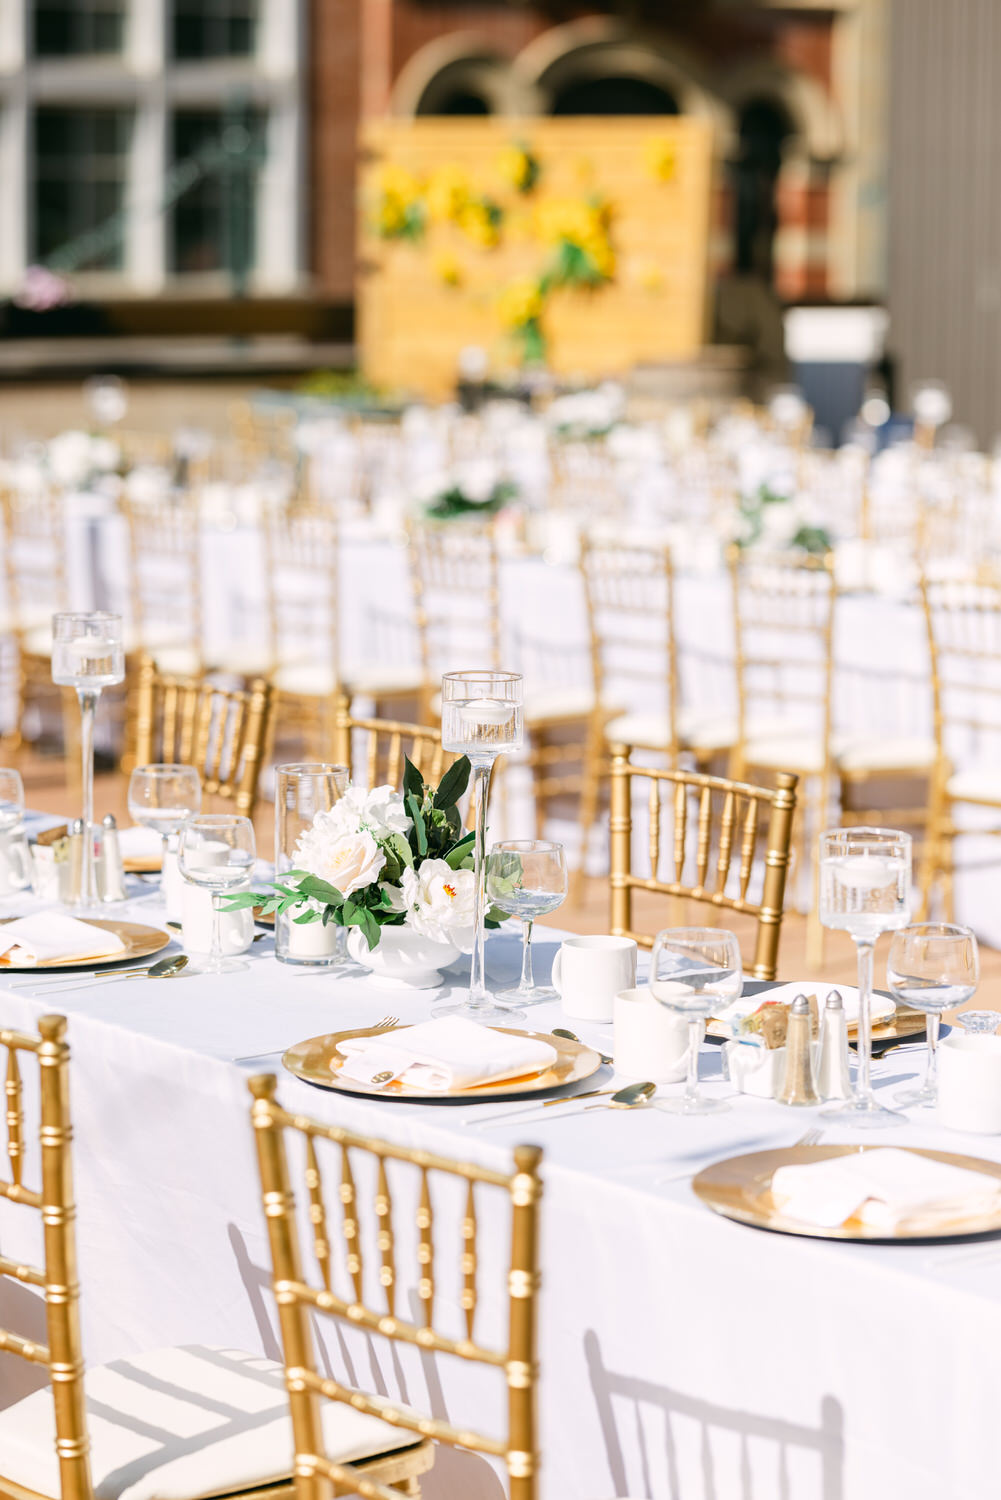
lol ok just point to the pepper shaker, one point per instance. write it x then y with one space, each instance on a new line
797 1085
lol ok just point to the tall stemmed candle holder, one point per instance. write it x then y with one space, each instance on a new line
302 792
865 890
481 717
87 654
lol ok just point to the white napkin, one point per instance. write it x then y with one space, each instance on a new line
140 843
443 1055
50 935
886 1189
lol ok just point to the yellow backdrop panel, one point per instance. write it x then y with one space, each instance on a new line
431 283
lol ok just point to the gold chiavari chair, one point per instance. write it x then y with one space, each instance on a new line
963 620
316 1471
188 1422
374 749
708 875
455 571
166 569
195 722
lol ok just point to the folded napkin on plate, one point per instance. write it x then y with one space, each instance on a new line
881 1007
443 1055
886 1189
140 843
49 935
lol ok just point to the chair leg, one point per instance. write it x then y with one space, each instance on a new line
588 814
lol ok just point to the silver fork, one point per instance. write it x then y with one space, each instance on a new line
809 1138
386 1024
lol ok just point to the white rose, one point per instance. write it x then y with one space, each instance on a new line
380 810
440 903
350 862
69 458
104 454
477 480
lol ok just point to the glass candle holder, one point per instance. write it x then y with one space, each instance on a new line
302 794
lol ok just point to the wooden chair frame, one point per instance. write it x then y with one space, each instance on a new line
386 743
173 532
738 830
315 1474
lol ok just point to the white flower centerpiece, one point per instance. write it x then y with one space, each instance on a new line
773 518
395 869
474 488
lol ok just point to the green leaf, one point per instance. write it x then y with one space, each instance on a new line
459 851
308 916
320 890
401 848
413 781
419 830
453 784
242 900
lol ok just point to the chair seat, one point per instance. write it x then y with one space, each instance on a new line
699 730
176 661
558 703
975 785
903 753
306 679
183 1424
242 661
378 679
798 750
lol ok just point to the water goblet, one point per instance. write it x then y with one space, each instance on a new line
526 878
163 797
865 886
217 853
87 654
931 966
697 973
482 717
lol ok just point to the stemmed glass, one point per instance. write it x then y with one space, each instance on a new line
163 797
15 866
931 966
87 654
697 973
481 716
11 799
526 878
217 852
865 887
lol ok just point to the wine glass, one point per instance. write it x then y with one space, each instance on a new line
11 800
697 973
980 1022
217 852
87 654
865 887
527 878
163 797
931 966
482 717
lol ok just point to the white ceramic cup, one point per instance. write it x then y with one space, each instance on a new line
588 973
969 1083
650 1041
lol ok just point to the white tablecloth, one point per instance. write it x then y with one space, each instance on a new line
681 1354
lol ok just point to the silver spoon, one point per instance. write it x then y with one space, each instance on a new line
571 1036
165 968
631 1097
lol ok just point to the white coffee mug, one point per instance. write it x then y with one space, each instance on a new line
969 1083
649 1041
588 973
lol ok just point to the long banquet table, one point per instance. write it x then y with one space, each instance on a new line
681 1355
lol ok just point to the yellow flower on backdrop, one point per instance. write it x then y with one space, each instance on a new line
521 302
661 155
448 268
448 194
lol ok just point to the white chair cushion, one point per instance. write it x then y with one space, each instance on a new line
242 661
182 1424
308 679
794 750
375 678
648 731
38 640
975 786
559 703
889 754
176 661
706 731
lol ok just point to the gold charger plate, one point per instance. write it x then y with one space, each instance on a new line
740 1188
311 1061
148 864
895 1028
140 942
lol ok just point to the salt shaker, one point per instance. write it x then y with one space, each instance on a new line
833 1078
74 870
110 870
797 1085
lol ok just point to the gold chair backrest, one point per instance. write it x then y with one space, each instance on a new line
303 561
62 1356
221 731
35 553
456 582
630 608
165 553
298 1299
374 749
783 607
722 840
584 478
963 620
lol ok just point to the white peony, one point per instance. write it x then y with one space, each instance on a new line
378 813
439 903
69 457
476 479
348 861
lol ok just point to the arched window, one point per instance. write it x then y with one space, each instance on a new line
613 95
764 126
460 101
472 85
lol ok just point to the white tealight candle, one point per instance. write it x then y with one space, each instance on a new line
208 854
486 711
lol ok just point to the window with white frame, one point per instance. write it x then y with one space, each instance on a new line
213 225
72 28
81 160
214 28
